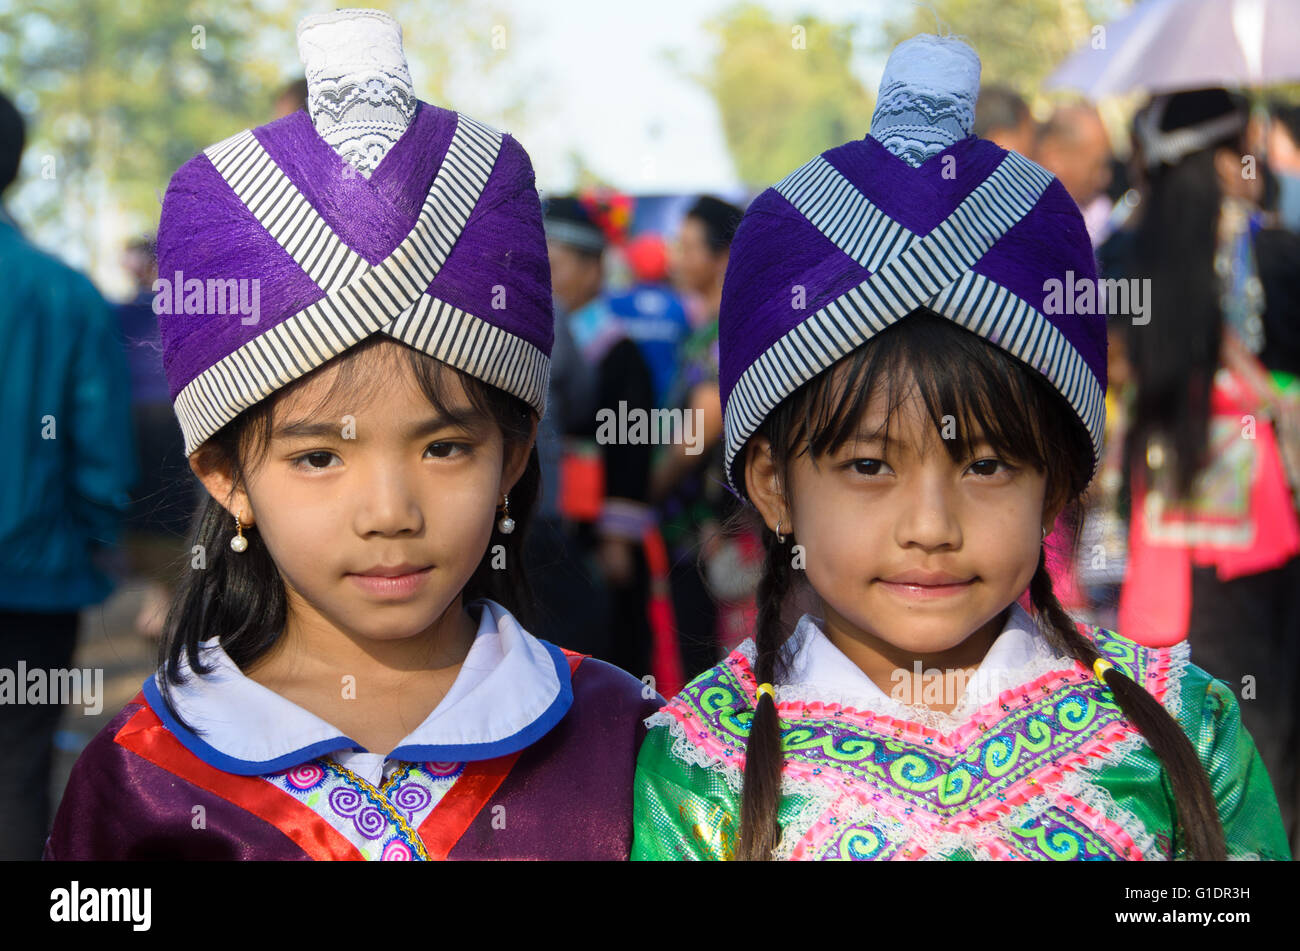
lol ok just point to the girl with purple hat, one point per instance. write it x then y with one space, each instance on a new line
908 405
356 318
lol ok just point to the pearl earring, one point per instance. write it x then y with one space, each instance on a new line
507 524
239 543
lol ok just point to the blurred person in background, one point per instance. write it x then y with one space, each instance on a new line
1003 117
651 311
166 495
1073 146
689 487
68 465
292 98
604 483
1284 161
1214 538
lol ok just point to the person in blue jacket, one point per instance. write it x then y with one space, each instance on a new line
68 463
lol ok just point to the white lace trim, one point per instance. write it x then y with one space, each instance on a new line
971 701
687 752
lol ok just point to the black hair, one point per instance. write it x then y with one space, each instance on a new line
13 137
720 220
998 107
1176 354
570 211
241 597
296 91
1023 418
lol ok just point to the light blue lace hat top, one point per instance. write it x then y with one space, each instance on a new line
927 97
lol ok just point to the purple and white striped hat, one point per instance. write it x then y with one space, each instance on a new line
920 213
441 247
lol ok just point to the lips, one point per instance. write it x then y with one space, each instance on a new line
392 582
390 571
926 579
920 587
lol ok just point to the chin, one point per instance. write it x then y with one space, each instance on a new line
923 631
392 621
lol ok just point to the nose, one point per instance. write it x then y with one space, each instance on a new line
928 517
388 505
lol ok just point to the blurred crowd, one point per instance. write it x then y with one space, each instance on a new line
641 553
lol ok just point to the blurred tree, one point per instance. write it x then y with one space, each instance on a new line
118 96
1019 43
784 88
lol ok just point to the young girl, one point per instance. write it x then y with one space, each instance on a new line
909 410
343 676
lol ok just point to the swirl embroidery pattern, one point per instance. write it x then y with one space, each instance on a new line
380 821
895 786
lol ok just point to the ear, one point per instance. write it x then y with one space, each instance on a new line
516 461
216 479
763 483
1052 507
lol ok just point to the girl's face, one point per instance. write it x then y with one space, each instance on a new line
907 549
350 496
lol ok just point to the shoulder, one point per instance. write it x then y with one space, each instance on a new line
1160 670
713 712
55 281
97 791
103 747
612 690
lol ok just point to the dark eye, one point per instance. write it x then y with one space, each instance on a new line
988 467
868 467
315 460
445 450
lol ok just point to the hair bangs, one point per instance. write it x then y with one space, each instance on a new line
989 401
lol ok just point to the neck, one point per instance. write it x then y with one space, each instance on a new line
713 293
314 648
881 661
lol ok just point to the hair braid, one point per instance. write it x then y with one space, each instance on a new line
759 831
1193 798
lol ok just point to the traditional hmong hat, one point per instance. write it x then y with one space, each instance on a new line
1174 125
920 213
439 245
568 221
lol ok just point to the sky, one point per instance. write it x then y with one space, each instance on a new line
607 90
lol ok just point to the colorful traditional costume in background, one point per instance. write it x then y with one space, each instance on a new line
531 752
1036 761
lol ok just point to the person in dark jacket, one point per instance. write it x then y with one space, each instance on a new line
623 385
69 462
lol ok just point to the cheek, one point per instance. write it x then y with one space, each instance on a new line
462 513
835 533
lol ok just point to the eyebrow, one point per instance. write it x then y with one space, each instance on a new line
307 429
879 436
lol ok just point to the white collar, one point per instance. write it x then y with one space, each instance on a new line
820 670
511 690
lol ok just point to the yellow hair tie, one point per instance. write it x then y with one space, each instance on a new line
765 689
1100 666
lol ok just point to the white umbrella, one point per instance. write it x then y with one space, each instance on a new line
1169 45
